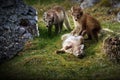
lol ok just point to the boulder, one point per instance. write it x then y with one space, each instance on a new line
115 3
88 3
18 24
118 16
112 48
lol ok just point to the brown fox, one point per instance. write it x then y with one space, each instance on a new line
56 16
85 22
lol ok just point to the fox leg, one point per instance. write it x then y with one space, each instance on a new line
63 49
83 32
89 36
56 28
60 26
49 30
60 51
96 36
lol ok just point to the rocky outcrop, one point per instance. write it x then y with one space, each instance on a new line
115 3
18 24
112 48
88 3
118 17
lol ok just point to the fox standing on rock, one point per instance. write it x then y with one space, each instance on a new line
56 16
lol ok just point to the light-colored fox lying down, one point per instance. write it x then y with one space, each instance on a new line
73 45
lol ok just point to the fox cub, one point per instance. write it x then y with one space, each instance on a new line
85 23
72 45
56 16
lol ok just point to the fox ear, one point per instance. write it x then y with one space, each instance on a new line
81 46
80 8
72 8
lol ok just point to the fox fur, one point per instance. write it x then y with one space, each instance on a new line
56 16
85 22
73 45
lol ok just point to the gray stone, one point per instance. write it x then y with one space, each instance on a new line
115 3
18 24
13 18
88 3
21 30
118 16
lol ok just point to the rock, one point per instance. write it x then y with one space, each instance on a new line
112 48
18 24
88 3
77 1
115 3
118 16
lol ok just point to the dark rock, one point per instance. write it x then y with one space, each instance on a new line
17 25
112 48
21 30
115 3
118 16
7 3
88 3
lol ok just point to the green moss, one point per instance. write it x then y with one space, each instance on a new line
38 60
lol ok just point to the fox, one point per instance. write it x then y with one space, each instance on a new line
72 45
56 16
85 23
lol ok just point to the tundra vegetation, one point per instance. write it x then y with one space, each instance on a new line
38 61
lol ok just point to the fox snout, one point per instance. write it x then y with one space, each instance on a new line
80 56
75 19
79 51
47 26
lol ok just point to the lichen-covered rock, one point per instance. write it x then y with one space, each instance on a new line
118 17
88 3
112 48
18 24
115 3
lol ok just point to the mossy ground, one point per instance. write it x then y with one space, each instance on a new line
38 61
